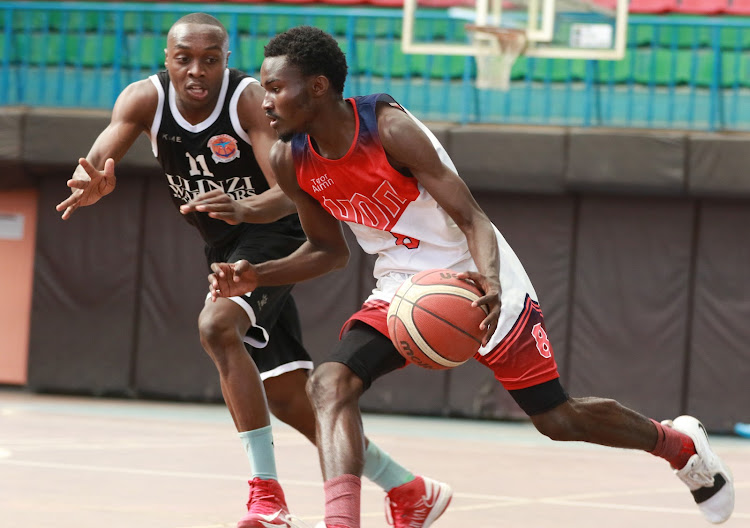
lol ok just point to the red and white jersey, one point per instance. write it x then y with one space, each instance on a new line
394 217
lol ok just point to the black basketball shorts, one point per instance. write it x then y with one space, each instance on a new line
274 339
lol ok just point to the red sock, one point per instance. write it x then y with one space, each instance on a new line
342 501
673 446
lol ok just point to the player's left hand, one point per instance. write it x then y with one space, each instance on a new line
229 280
490 286
217 204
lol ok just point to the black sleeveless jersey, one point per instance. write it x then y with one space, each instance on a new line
214 154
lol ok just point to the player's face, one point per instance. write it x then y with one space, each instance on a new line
196 57
287 103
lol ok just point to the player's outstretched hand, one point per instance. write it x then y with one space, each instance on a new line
218 205
228 280
490 299
87 186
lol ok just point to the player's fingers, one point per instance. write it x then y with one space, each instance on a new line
205 202
213 207
239 268
489 322
69 211
205 199
479 280
64 204
470 275
109 167
218 270
210 195
88 167
226 217
213 288
78 184
486 300
71 200
215 284
489 325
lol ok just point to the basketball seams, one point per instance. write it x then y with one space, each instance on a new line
416 291
442 320
419 340
431 291
404 311
405 308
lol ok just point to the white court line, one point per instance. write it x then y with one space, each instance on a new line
308 483
630 507
112 469
496 501
519 502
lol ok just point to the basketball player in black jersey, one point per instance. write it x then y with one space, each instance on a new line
210 135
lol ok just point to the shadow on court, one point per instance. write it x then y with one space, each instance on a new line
70 462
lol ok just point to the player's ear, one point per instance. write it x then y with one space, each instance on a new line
226 61
320 85
166 56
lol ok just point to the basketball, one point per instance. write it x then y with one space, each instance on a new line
431 321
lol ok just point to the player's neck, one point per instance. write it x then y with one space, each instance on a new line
334 131
195 115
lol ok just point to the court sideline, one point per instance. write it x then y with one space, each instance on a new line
78 462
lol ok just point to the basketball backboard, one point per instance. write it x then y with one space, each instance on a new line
565 29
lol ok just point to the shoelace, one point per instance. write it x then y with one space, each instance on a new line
259 493
393 512
699 474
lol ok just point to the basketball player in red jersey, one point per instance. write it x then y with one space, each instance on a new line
208 131
367 162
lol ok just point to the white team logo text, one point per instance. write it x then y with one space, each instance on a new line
237 187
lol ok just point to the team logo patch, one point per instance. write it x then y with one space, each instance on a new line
223 148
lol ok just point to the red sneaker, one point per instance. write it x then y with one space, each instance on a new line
417 504
266 507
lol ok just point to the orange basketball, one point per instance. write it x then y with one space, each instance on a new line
431 321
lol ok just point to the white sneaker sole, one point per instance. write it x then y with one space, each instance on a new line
716 503
442 501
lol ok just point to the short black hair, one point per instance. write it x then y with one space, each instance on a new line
205 19
313 51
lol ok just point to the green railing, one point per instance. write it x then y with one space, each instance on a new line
679 72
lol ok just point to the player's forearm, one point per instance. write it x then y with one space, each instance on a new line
266 207
113 142
306 263
482 243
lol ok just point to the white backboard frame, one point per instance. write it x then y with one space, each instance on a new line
539 29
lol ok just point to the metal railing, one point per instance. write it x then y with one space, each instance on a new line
679 72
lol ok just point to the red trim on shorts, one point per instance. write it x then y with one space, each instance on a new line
517 361
518 327
373 313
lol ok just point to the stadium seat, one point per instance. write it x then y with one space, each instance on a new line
609 4
738 7
653 6
701 7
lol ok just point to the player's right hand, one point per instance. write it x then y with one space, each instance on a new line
229 280
217 204
88 185
490 286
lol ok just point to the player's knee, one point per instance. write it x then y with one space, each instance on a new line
559 424
332 385
555 427
286 393
216 333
